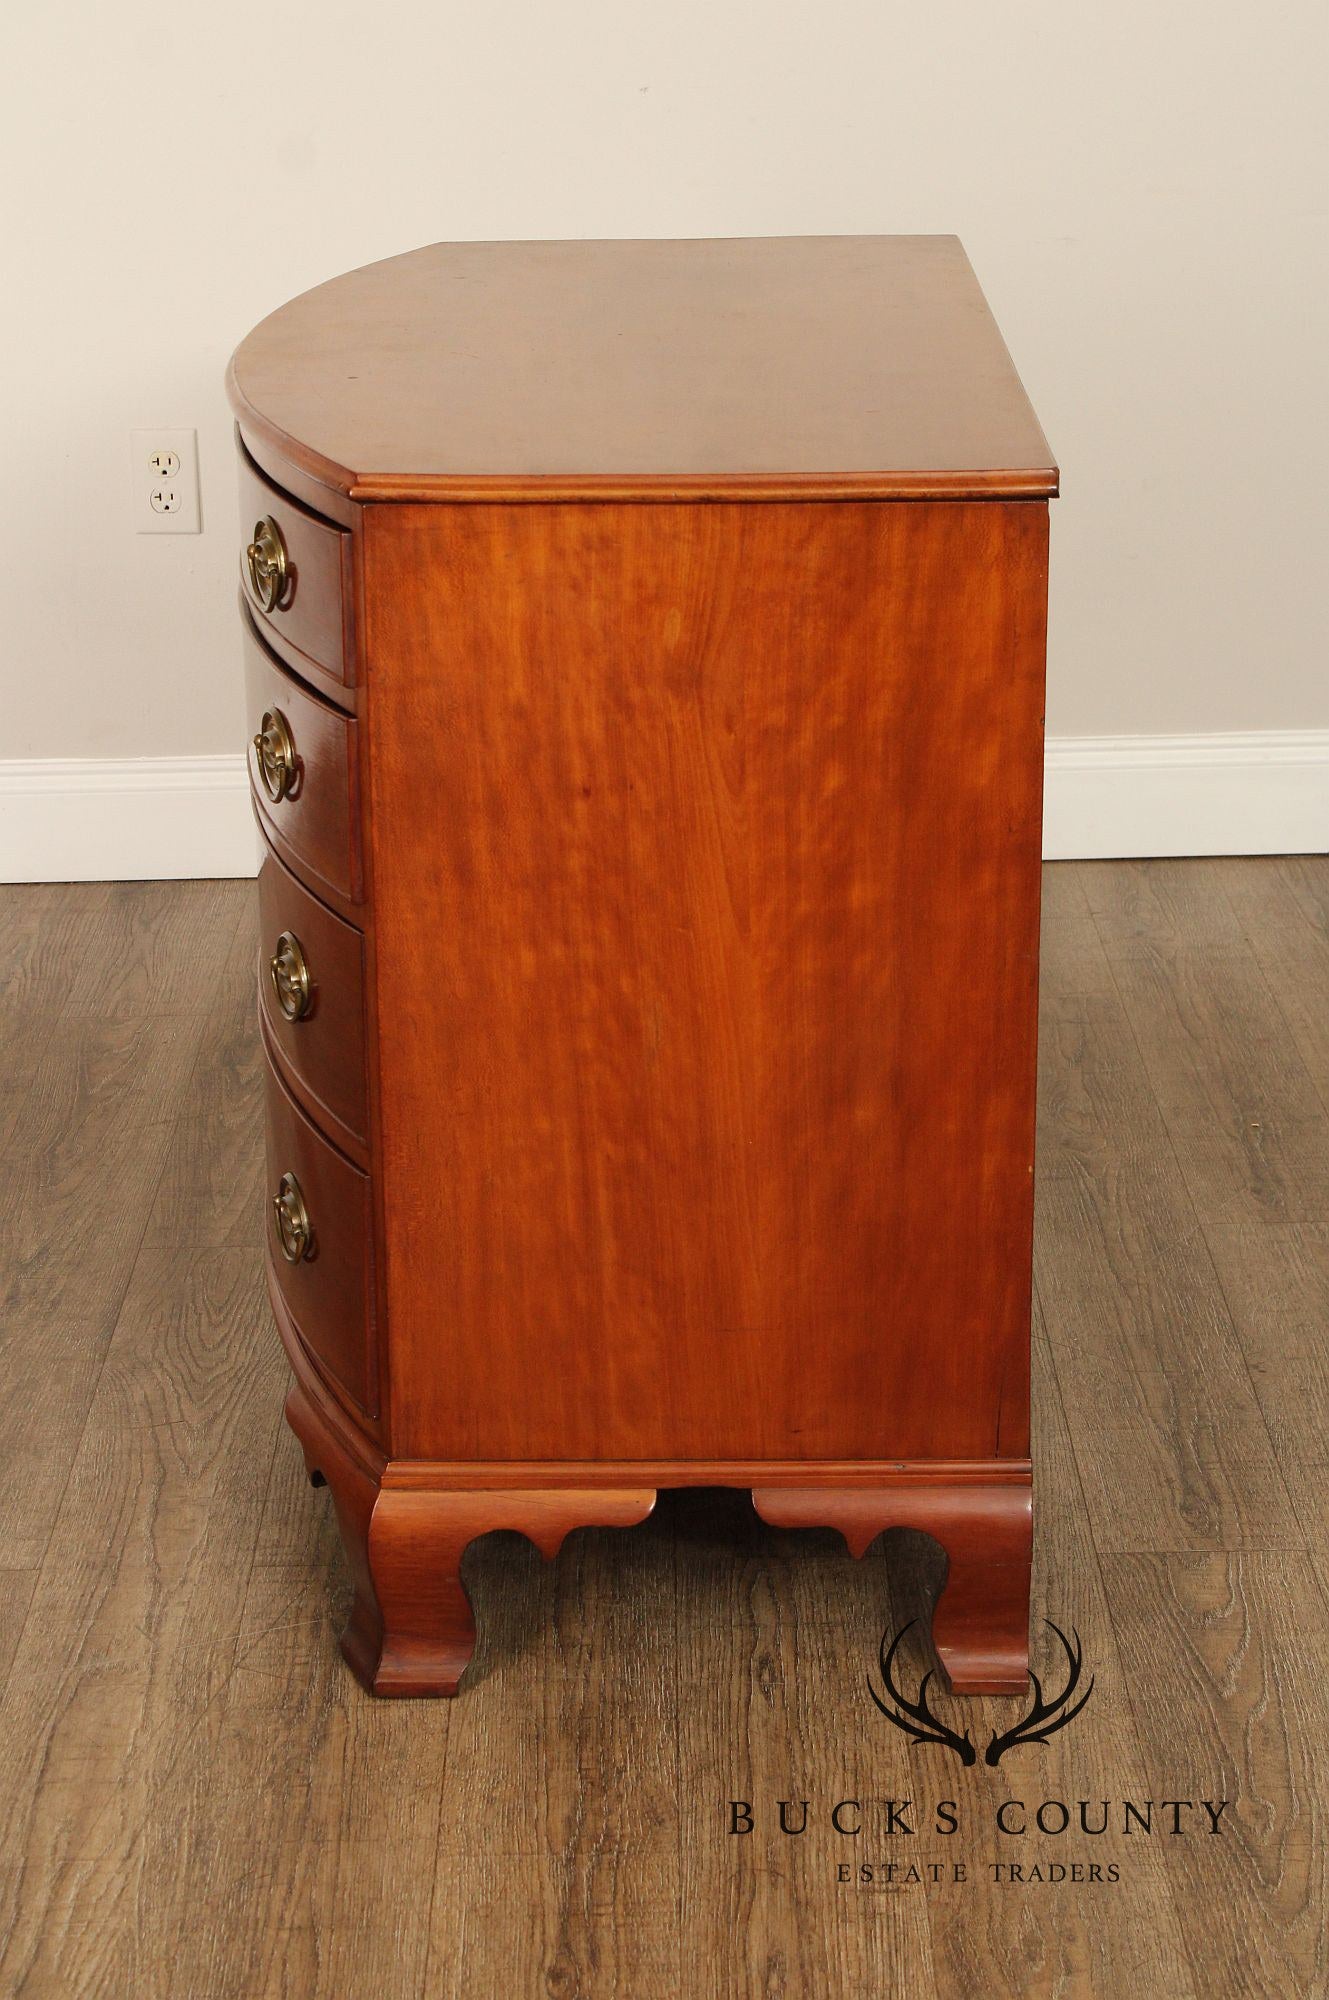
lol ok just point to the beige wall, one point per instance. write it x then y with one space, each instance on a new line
1141 189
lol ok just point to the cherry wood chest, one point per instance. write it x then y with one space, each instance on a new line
645 650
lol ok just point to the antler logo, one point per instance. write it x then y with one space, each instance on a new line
918 1722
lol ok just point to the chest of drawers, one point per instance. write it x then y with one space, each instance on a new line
645 650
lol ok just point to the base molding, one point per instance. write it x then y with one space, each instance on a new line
411 1629
1112 798
980 1623
407 1523
125 819
438 1475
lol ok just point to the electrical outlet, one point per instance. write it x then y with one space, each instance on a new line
164 491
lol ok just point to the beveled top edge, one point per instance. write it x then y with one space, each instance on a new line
292 358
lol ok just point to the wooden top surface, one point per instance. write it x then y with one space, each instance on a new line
752 367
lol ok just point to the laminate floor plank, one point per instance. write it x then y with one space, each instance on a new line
1307 878
314 1821
1283 910
1276 1275
1161 906
85 1155
1227 1659
1245 1118
153 948
1277 1284
1074 974
211 1186
131 1630
44 932
16 1588
86 1152
301 1839
1169 1435
789 1628
568 1730
999 1939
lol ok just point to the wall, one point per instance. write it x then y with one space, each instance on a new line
1141 190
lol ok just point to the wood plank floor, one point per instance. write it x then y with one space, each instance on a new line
197 1802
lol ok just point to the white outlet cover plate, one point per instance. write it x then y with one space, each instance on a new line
164 506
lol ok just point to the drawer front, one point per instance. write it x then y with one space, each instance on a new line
323 1272
295 571
311 993
304 785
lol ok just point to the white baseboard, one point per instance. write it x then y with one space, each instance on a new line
125 819
1116 797
131 819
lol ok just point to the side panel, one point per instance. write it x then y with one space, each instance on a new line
705 851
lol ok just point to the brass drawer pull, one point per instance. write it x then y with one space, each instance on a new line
290 1219
288 969
276 755
265 559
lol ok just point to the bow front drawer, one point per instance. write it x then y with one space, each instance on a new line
296 574
311 994
303 771
319 1257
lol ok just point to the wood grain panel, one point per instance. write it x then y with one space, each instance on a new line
707 1074
315 827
